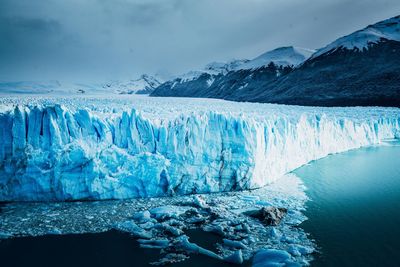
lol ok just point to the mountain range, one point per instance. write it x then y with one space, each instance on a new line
145 84
362 68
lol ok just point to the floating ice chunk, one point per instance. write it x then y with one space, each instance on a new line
150 246
142 216
147 225
196 220
194 248
250 198
296 218
134 229
168 211
263 203
200 202
298 250
154 243
236 257
234 244
246 227
5 235
169 229
275 233
272 257
288 239
55 231
218 229
171 258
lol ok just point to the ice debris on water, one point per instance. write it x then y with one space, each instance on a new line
164 223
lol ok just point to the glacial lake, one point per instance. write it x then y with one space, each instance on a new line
354 207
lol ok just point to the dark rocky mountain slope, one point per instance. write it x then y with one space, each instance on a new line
361 69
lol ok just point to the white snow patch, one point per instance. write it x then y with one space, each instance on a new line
385 30
283 56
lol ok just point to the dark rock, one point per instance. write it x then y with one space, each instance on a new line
268 215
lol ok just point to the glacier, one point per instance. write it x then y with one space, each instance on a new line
74 148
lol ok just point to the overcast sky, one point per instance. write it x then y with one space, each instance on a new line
87 40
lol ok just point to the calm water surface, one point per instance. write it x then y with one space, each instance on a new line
354 211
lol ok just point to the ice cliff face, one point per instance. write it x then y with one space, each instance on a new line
54 152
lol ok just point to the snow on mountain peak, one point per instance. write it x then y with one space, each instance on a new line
384 30
223 67
48 87
213 68
282 56
145 84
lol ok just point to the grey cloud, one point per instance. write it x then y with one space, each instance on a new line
102 39
30 24
25 36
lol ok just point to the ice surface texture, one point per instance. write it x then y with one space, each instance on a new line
56 152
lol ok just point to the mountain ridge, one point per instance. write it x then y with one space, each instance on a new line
145 84
343 73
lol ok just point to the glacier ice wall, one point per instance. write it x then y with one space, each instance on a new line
56 153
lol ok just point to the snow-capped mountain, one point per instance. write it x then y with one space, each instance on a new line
213 68
222 67
382 31
29 87
198 83
49 87
282 56
362 68
143 85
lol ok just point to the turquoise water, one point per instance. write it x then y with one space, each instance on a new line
354 207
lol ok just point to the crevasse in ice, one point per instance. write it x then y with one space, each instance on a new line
53 152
